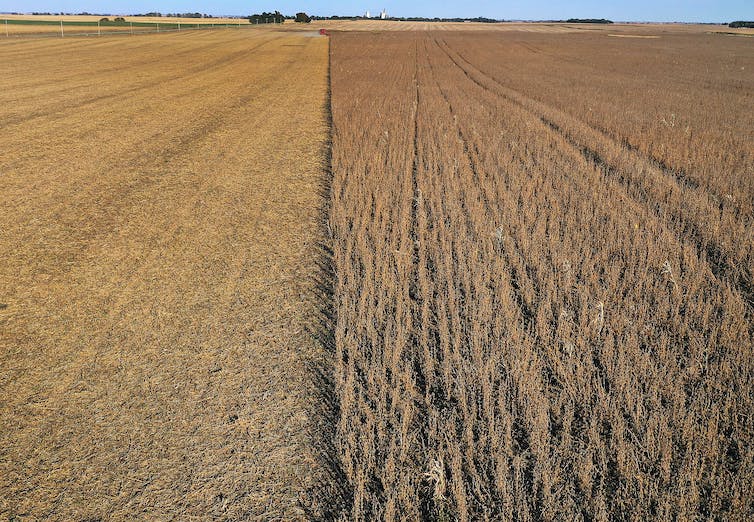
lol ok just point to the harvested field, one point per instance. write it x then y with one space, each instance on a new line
94 18
13 26
522 27
392 25
160 198
543 277
531 299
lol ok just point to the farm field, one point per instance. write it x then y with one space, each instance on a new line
160 199
14 26
420 271
94 18
624 29
83 25
542 248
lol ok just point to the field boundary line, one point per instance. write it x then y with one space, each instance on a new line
332 492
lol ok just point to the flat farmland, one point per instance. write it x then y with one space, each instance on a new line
13 26
159 198
623 29
543 255
420 271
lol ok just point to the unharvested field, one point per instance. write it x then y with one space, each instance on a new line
159 199
679 133
542 250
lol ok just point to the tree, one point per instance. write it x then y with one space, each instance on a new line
267 18
588 21
303 18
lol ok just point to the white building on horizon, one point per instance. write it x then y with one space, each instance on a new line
383 14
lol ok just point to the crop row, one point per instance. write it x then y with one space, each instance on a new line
526 328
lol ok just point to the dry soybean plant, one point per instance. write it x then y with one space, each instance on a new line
535 318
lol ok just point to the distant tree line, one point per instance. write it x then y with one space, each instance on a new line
83 13
480 19
336 17
741 23
155 14
589 21
577 21
278 18
188 15
267 18
151 14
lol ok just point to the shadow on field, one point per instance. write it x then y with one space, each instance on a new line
330 496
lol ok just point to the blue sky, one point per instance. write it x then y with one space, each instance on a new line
636 10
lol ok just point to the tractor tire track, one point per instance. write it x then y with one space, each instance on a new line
709 250
526 309
163 82
167 149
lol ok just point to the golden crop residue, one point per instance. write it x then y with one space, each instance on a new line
159 198
26 26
